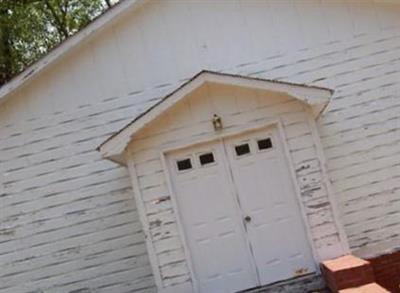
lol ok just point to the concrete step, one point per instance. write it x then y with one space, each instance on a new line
312 283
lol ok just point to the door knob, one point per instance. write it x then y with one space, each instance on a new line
247 219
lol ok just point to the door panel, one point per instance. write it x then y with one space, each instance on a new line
211 220
275 226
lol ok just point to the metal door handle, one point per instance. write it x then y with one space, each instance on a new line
247 219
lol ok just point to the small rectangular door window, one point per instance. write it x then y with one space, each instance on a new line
242 149
184 164
264 144
206 159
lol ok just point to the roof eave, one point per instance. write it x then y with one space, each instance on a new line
56 53
317 98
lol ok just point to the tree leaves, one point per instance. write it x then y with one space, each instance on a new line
30 28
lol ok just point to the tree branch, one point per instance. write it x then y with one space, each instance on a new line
59 24
6 64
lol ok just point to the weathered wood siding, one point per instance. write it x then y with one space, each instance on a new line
56 194
68 219
190 120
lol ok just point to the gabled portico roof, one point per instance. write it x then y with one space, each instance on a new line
316 98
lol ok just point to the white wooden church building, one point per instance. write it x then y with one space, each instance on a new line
181 146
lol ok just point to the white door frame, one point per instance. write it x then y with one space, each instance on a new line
219 137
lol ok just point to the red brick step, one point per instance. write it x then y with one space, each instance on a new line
369 288
347 272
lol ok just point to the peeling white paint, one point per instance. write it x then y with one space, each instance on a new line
73 214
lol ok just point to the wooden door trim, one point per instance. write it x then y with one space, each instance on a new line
219 137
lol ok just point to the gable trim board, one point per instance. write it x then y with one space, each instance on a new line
119 148
317 98
98 24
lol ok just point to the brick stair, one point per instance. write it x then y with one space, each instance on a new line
387 270
369 288
350 274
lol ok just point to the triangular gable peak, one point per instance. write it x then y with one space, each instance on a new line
98 24
316 98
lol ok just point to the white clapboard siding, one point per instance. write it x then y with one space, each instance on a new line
63 208
69 221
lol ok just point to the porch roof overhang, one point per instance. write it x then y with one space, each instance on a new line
317 98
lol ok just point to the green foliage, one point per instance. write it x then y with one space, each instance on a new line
30 28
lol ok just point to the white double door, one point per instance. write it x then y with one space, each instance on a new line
240 216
